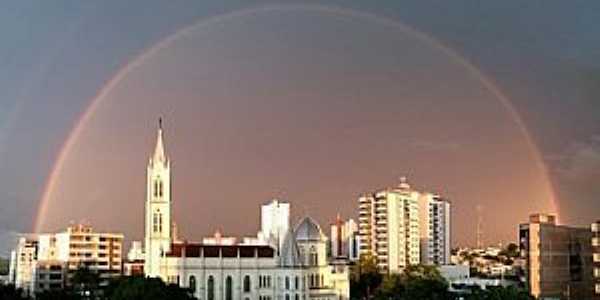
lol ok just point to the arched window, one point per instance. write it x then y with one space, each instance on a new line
297 297
155 189
192 284
160 188
228 288
296 282
287 296
210 288
246 284
287 282
313 257
160 223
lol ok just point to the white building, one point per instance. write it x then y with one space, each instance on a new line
23 261
134 265
434 218
225 270
47 261
274 222
389 227
158 207
344 239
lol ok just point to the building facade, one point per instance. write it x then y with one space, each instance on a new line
48 261
274 222
434 218
22 264
290 265
158 207
344 239
389 227
558 259
596 256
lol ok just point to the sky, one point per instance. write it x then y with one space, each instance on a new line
311 102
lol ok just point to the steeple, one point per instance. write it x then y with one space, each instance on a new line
159 150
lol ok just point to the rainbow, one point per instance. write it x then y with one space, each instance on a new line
337 11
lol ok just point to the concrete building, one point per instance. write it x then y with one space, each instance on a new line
48 261
344 239
389 227
434 218
558 259
290 265
22 264
596 256
274 223
134 265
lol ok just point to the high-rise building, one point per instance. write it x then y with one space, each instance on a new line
434 217
48 261
596 256
389 227
558 259
23 259
158 207
274 223
344 239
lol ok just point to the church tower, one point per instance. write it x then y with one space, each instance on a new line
158 208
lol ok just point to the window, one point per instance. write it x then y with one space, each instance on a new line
228 288
297 297
314 259
296 282
287 283
160 189
210 288
155 190
192 284
246 284
287 296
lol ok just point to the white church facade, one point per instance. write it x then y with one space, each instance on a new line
295 268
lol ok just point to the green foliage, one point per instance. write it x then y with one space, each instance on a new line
9 292
500 293
3 266
140 288
416 282
365 278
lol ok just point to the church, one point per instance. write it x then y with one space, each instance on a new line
294 266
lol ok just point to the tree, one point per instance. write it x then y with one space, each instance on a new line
500 293
10 292
424 282
140 288
365 278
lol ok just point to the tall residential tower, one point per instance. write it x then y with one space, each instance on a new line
389 227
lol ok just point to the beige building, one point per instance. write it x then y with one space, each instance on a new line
596 256
434 225
558 259
389 227
48 261
344 239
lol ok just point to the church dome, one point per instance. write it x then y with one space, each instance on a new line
309 230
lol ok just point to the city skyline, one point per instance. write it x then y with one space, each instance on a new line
311 103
